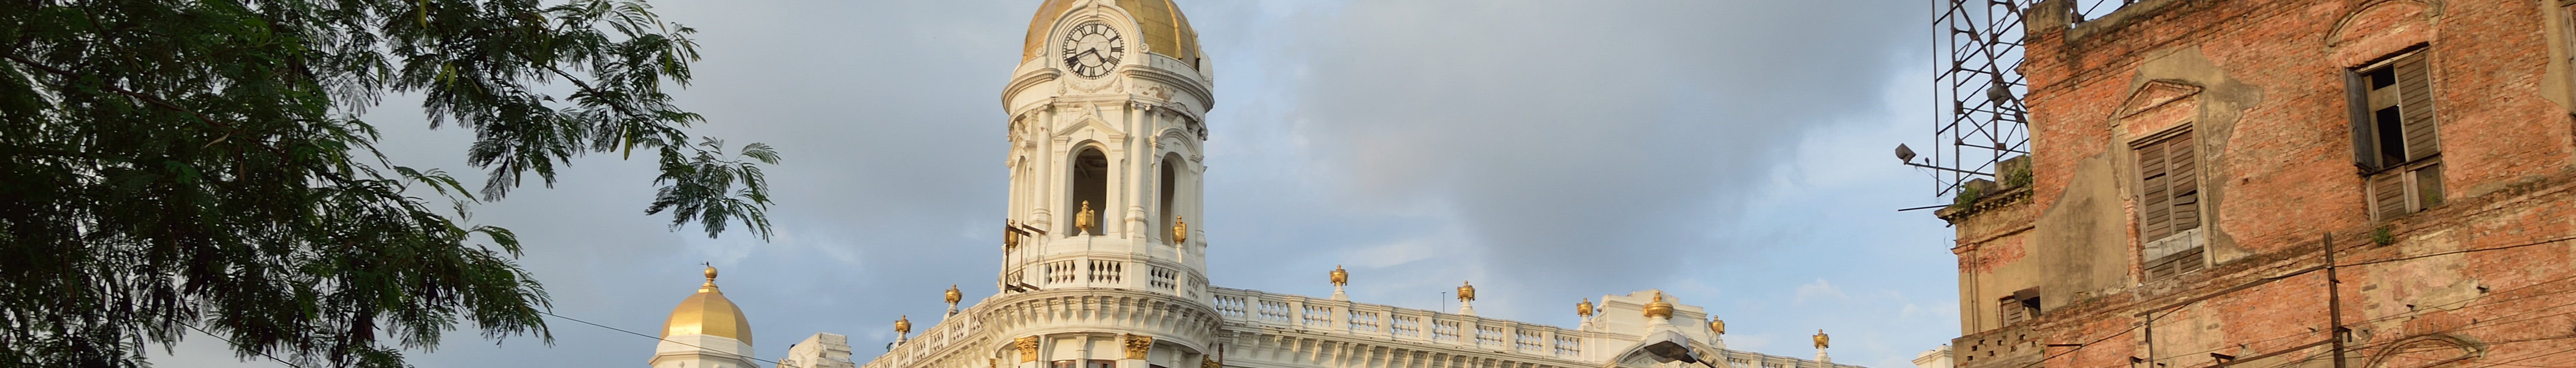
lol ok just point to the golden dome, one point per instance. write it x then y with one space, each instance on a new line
1659 308
708 312
1166 31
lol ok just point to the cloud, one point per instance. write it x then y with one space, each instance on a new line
1820 290
1545 150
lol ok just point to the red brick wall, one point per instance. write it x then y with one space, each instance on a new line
2276 174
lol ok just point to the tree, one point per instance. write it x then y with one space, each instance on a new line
177 166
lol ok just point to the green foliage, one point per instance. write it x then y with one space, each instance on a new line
178 166
1968 195
2018 177
2381 236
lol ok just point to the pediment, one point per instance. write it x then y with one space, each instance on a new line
2384 17
1092 123
2155 94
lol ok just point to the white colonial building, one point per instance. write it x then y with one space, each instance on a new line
1102 270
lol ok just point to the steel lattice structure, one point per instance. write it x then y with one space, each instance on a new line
1980 119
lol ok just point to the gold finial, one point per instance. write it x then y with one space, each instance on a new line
1584 308
1719 326
711 278
1082 220
1341 277
1010 239
1466 291
1180 231
902 325
1822 341
1659 308
953 295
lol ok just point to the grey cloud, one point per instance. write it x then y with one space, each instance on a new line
1582 135
1540 148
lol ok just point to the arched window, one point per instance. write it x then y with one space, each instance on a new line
1090 187
1171 164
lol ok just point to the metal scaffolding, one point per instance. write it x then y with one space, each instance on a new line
1980 120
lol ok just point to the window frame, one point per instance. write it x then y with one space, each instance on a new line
2153 159
2406 106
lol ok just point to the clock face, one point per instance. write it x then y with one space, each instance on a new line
1091 50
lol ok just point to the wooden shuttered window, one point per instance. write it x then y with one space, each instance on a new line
2020 306
2396 137
2169 189
2178 263
2013 312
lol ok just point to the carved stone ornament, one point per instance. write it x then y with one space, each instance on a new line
1082 220
1091 85
1138 345
1659 308
1028 348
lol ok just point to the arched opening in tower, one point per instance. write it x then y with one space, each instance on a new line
1171 162
1090 187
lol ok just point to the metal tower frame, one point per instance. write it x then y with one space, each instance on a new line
1981 120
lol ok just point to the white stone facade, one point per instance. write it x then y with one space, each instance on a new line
1131 291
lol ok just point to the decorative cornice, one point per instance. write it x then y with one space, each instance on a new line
1193 86
1981 205
1024 81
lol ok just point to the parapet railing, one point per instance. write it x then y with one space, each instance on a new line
1326 316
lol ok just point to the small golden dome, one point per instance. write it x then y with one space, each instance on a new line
709 313
1166 31
1659 308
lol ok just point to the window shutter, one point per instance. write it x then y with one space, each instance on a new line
2388 197
2365 153
2415 86
2155 205
2013 312
2180 168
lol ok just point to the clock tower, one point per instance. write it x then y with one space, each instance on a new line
1107 114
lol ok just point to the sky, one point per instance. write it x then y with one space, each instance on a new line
1733 153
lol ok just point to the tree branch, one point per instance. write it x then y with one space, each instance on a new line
154 101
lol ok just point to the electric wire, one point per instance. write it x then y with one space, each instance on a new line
660 338
2423 310
2080 347
2172 308
2437 254
2418 312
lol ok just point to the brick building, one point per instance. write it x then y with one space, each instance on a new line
2191 160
